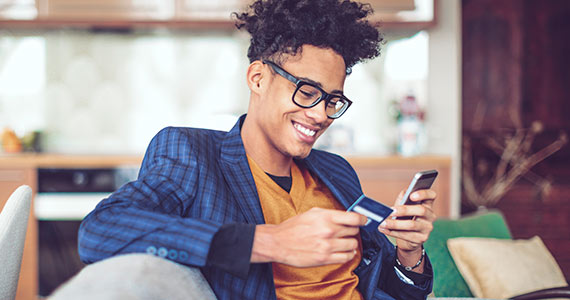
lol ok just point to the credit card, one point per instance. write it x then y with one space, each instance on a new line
375 211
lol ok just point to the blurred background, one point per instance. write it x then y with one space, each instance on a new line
105 87
473 88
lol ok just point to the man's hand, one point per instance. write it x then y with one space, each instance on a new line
316 237
411 234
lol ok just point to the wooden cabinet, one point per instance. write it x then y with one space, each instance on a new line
207 14
403 14
382 178
10 179
106 10
18 9
208 10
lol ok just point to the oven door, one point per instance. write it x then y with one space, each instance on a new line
65 197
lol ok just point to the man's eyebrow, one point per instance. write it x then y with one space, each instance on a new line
339 92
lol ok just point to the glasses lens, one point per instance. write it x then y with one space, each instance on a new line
336 106
306 95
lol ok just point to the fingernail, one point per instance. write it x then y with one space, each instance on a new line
394 211
383 224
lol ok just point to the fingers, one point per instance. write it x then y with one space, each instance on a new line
346 218
312 259
340 223
316 237
414 232
423 196
411 234
322 252
413 237
345 231
343 245
418 211
329 247
341 257
419 225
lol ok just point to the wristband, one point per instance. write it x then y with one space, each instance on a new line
414 266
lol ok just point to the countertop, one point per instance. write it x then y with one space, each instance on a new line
36 160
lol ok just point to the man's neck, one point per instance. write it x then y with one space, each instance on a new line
264 155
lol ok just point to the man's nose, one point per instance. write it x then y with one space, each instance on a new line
318 112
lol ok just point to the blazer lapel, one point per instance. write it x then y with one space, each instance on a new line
235 169
237 174
345 191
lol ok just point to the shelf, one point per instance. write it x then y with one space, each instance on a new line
178 14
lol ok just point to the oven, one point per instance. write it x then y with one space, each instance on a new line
65 196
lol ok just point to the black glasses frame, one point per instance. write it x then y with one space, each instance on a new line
299 83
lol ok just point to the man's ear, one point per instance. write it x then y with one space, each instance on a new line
255 77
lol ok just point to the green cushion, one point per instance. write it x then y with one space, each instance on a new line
448 282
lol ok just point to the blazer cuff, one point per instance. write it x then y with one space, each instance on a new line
231 247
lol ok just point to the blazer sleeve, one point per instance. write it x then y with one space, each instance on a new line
148 215
396 286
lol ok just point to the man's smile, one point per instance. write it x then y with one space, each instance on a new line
304 129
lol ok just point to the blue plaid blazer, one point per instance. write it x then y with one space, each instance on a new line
191 182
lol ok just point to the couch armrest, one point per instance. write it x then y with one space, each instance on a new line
558 292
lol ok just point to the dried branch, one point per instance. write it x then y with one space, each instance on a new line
515 162
468 182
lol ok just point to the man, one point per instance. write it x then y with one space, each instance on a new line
256 209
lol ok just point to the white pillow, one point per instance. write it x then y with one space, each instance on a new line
503 268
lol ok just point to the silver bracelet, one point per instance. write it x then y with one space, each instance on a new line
414 266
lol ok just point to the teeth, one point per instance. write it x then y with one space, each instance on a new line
305 131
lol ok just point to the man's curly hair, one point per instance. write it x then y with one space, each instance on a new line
282 26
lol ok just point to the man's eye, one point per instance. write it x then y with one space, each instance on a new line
308 94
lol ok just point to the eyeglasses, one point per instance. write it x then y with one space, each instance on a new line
308 95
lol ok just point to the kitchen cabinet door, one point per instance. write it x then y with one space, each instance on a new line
10 179
390 13
409 14
123 10
18 9
412 15
213 10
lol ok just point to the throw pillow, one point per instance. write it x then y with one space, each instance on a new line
447 281
497 268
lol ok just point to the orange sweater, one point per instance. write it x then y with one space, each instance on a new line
336 281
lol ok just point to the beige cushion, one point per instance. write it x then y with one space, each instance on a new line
502 268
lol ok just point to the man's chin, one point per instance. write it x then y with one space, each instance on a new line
302 155
300 151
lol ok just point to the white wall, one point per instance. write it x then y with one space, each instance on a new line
444 82
110 93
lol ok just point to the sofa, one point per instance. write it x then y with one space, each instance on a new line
482 237
475 256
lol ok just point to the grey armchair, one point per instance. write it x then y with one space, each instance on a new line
13 224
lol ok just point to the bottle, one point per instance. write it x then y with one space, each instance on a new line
410 127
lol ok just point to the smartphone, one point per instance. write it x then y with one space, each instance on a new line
421 181
375 211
